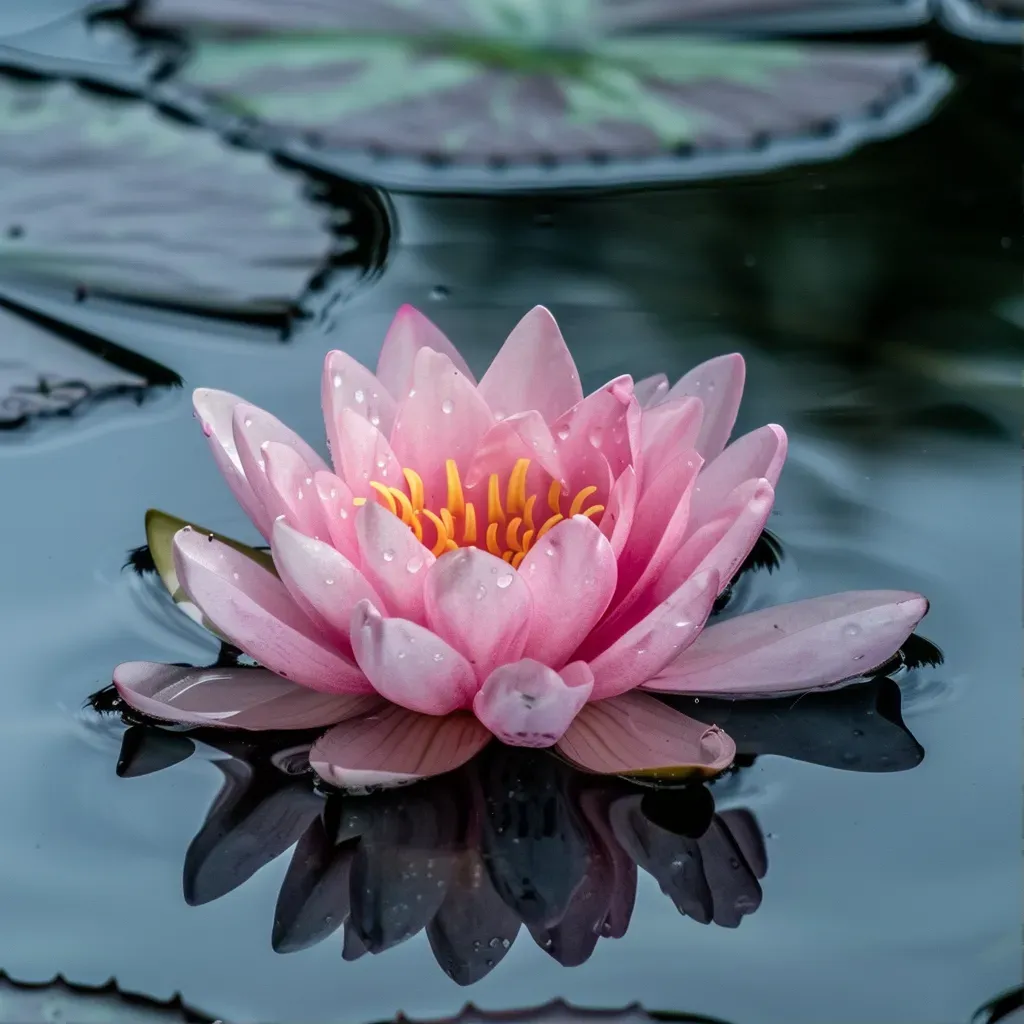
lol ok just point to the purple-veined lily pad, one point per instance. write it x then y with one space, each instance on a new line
110 196
989 21
522 95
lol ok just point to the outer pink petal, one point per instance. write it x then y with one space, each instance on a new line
409 665
657 639
609 420
635 733
347 384
214 410
393 560
322 581
294 495
252 608
797 646
443 417
362 454
340 512
571 574
252 428
235 698
668 432
480 605
522 436
718 383
650 391
409 332
527 704
617 518
396 747
759 454
533 370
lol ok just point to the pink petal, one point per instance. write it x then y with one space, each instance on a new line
650 391
718 383
347 384
657 639
321 580
409 665
617 518
336 498
252 428
571 574
759 454
395 746
393 560
609 420
443 417
294 495
522 436
634 733
797 646
236 698
214 410
409 332
253 609
533 370
722 544
480 605
362 454
527 704
669 431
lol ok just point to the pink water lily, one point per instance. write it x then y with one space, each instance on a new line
508 559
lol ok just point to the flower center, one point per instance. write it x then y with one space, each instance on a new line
510 528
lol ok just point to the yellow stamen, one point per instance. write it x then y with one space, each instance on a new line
553 521
449 523
515 500
495 513
554 492
417 527
492 539
469 527
389 501
517 559
528 511
507 557
456 501
404 504
415 482
358 501
442 535
512 534
593 510
527 540
450 545
577 502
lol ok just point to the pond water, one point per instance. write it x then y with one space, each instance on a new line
877 302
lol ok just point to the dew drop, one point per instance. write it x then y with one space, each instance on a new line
412 391
300 494
504 581
414 564
481 592
381 463
248 421
550 551
682 624
401 654
447 405
343 513
334 492
439 656
338 380
711 385
493 943
505 943
359 395
235 574
375 420
329 583
563 433
595 438
851 630
388 555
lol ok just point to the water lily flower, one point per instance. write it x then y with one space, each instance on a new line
508 559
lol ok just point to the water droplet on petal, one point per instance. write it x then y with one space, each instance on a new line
375 420
248 421
388 555
334 492
439 656
504 581
235 574
401 654
300 494
359 395
682 624
343 513
550 551
595 437
338 380
481 592
329 583
412 391
852 629
414 564
447 405
381 463
563 433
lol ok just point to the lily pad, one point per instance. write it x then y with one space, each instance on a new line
561 1012
989 21
518 95
107 195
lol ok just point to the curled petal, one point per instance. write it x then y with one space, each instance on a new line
393 560
634 734
479 605
235 698
409 332
527 704
395 747
718 383
347 384
533 370
323 582
795 647
571 574
362 453
617 518
409 665
254 610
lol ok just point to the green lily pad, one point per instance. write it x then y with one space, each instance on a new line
110 196
160 530
522 94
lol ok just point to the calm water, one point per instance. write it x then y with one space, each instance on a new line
878 304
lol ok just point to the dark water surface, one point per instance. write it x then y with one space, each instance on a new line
878 304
